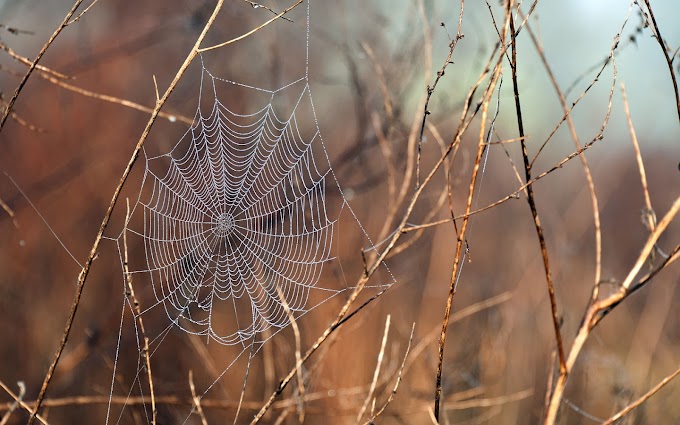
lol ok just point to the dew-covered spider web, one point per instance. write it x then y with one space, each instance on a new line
232 233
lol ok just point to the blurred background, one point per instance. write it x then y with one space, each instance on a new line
63 152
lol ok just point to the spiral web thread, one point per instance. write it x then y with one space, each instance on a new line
236 221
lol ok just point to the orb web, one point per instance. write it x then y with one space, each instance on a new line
231 228
236 218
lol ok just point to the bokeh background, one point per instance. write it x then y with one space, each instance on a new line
63 153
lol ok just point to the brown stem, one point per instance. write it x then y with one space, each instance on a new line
460 243
669 60
532 202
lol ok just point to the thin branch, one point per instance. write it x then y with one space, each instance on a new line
34 63
196 399
376 372
15 30
138 313
669 60
461 242
584 161
650 217
28 62
10 213
256 5
532 201
397 382
19 120
18 399
386 151
626 410
116 100
15 404
490 401
254 30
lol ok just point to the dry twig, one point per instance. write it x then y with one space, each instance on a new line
376 372
626 410
396 382
196 399
18 400
669 59
531 199
138 313
34 64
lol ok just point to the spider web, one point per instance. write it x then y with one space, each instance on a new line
240 212
232 232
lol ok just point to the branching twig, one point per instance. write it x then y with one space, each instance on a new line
253 31
649 217
460 241
34 64
80 15
430 89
